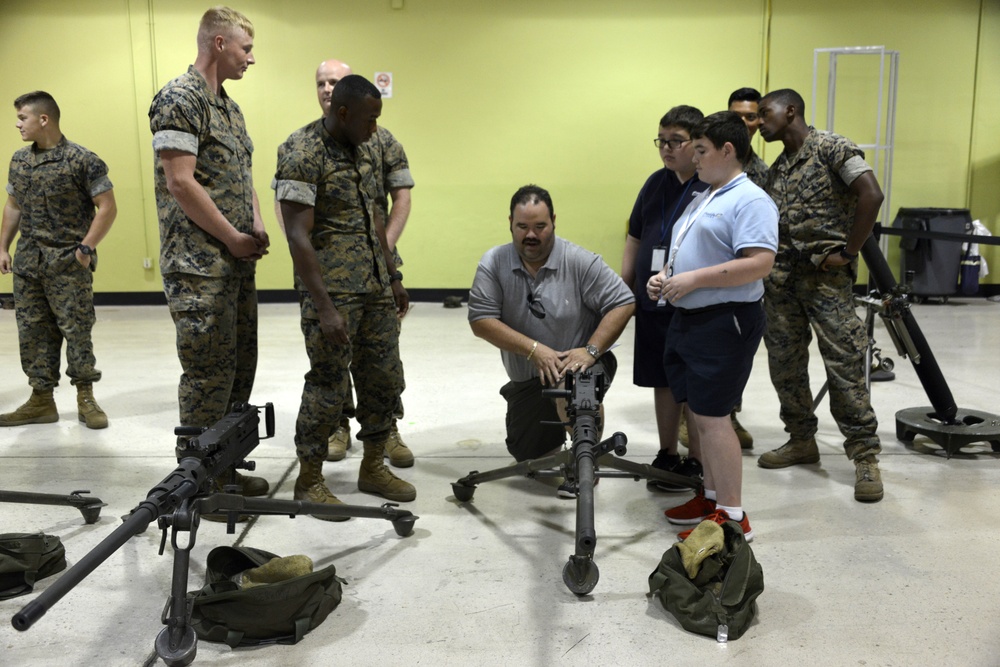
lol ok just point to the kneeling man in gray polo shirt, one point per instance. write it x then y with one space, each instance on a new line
552 308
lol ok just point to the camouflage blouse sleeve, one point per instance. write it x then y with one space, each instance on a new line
297 173
395 165
176 120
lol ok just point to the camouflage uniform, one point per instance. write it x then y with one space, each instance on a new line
212 295
756 170
392 170
53 292
340 183
817 213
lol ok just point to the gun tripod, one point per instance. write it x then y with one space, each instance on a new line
89 506
178 502
581 463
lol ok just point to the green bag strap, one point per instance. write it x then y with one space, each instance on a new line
739 572
301 628
233 638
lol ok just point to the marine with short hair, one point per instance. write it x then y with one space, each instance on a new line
350 293
211 231
61 200
828 199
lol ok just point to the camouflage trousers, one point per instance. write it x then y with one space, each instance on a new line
48 310
216 323
372 358
810 300
350 409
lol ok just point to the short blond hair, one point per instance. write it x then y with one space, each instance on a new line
221 21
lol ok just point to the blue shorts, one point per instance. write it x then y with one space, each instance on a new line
709 355
650 341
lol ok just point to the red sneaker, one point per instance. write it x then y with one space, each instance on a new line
720 516
692 512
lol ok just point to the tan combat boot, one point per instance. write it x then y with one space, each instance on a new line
746 440
40 408
867 480
793 452
249 487
399 454
311 487
374 477
340 441
90 412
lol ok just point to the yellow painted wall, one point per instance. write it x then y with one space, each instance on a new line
491 95
984 184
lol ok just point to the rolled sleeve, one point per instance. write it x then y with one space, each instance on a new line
174 140
853 167
100 186
295 191
401 178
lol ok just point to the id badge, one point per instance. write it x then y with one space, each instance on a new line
659 259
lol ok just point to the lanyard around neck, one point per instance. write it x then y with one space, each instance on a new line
692 215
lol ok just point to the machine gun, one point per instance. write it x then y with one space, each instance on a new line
582 462
178 502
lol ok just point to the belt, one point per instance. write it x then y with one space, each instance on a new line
718 306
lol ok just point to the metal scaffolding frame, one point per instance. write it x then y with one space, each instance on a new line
881 151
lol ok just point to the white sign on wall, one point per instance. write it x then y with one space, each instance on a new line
383 81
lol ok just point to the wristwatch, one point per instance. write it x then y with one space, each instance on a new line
594 351
846 255
90 252
398 275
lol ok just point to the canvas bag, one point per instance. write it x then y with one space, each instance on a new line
281 612
25 558
724 592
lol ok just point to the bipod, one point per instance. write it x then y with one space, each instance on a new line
177 643
178 502
582 464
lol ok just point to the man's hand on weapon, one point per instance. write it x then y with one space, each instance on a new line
575 361
548 362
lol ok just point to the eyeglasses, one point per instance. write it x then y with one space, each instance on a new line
535 307
672 144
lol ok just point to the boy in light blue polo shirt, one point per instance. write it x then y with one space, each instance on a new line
721 249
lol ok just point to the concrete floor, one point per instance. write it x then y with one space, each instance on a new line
902 582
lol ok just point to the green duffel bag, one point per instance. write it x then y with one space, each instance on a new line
25 558
720 600
254 597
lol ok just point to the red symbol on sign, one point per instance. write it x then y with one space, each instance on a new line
383 80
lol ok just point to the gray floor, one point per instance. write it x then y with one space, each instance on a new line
908 581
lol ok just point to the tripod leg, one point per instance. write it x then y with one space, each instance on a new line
177 644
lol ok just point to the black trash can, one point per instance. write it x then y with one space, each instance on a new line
935 264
